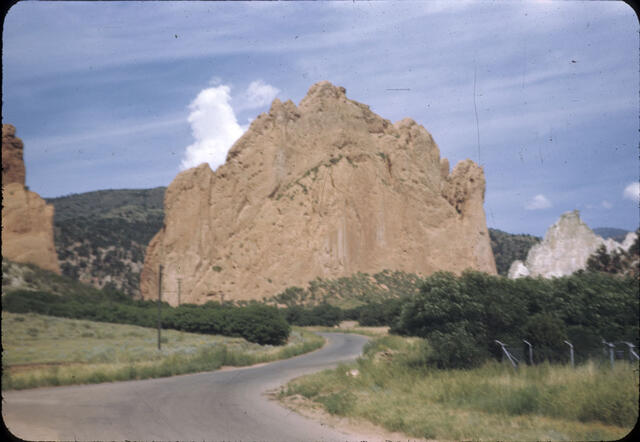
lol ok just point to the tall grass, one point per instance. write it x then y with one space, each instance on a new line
394 388
48 351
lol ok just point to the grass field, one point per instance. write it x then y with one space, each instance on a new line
391 386
43 351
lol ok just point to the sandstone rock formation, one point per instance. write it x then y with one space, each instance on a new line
565 249
323 189
13 170
27 221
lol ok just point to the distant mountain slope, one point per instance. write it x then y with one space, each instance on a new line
101 237
611 232
131 204
508 247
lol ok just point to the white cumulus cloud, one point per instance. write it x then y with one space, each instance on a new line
214 124
632 192
259 94
214 127
606 204
538 202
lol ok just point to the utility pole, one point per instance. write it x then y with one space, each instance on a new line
159 303
179 282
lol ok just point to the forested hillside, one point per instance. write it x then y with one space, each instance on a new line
101 237
508 247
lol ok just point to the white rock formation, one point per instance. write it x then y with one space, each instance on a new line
565 249
518 270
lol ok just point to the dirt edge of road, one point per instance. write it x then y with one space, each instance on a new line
361 429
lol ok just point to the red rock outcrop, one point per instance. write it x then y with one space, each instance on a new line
323 189
12 156
27 220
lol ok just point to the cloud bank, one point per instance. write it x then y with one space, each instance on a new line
214 124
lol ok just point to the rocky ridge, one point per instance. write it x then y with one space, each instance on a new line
27 220
323 189
565 249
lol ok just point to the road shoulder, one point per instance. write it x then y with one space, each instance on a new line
360 429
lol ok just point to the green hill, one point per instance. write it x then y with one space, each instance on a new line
101 237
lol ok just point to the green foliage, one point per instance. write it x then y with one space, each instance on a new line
508 247
103 235
443 305
37 279
379 313
256 322
130 204
618 262
323 314
457 348
472 311
353 291
547 334
602 261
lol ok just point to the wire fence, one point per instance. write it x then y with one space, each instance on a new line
518 353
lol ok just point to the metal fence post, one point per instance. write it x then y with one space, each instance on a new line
632 353
570 352
530 351
511 358
611 348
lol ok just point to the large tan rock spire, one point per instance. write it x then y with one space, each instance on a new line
27 220
323 189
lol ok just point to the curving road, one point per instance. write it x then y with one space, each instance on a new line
220 405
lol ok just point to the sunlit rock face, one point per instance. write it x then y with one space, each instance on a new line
323 189
27 221
565 249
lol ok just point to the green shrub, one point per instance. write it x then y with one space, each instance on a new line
547 334
323 314
257 323
475 309
457 348
380 313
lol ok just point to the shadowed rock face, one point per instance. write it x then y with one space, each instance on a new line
323 189
27 221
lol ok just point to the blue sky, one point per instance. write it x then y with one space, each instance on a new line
544 95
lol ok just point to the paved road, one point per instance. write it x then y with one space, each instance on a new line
220 405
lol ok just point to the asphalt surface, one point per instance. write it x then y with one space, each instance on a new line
225 405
